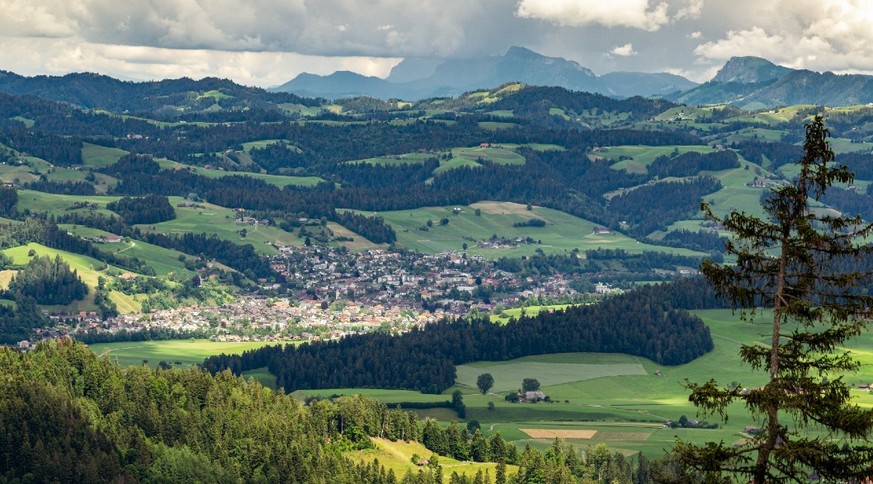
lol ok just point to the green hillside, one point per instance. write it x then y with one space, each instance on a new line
562 232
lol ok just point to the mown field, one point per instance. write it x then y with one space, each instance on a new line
397 456
504 316
175 352
562 233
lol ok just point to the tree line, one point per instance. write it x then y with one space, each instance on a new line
48 281
654 324
149 209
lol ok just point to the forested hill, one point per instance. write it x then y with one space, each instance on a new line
67 415
88 90
651 322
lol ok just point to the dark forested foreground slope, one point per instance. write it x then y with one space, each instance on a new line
649 322
68 416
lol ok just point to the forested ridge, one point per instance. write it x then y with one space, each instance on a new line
68 416
651 322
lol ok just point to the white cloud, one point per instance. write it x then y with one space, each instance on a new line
324 27
616 13
61 56
625 50
692 10
695 35
818 35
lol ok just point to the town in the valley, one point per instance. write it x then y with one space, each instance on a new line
330 292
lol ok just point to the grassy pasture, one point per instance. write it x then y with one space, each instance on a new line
214 219
736 194
5 277
642 156
396 160
533 146
358 242
28 123
58 204
88 269
496 125
188 352
99 156
214 94
36 167
502 155
447 165
761 134
496 154
506 376
163 261
563 232
397 456
280 181
507 314
260 144
263 376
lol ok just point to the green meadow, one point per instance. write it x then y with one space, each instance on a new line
214 219
163 261
639 157
280 181
470 157
97 156
185 352
562 233
397 456
90 270
504 316
55 204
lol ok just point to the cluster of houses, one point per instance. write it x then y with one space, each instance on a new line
447 280
268 319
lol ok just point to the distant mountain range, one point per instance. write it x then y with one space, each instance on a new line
415 79
746 82
749 83
754 83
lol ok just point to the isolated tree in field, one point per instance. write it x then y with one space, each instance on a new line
485 381
530 385
809 269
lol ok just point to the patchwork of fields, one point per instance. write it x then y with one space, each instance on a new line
562 232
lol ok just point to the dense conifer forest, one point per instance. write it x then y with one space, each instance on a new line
48 281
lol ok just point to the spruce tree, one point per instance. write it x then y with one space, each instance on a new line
806 266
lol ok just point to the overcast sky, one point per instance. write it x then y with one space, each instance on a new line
268 42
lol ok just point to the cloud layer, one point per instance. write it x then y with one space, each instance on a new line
265 42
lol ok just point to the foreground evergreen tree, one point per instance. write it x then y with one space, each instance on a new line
801 265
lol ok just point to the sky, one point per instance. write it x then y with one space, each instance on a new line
268 42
